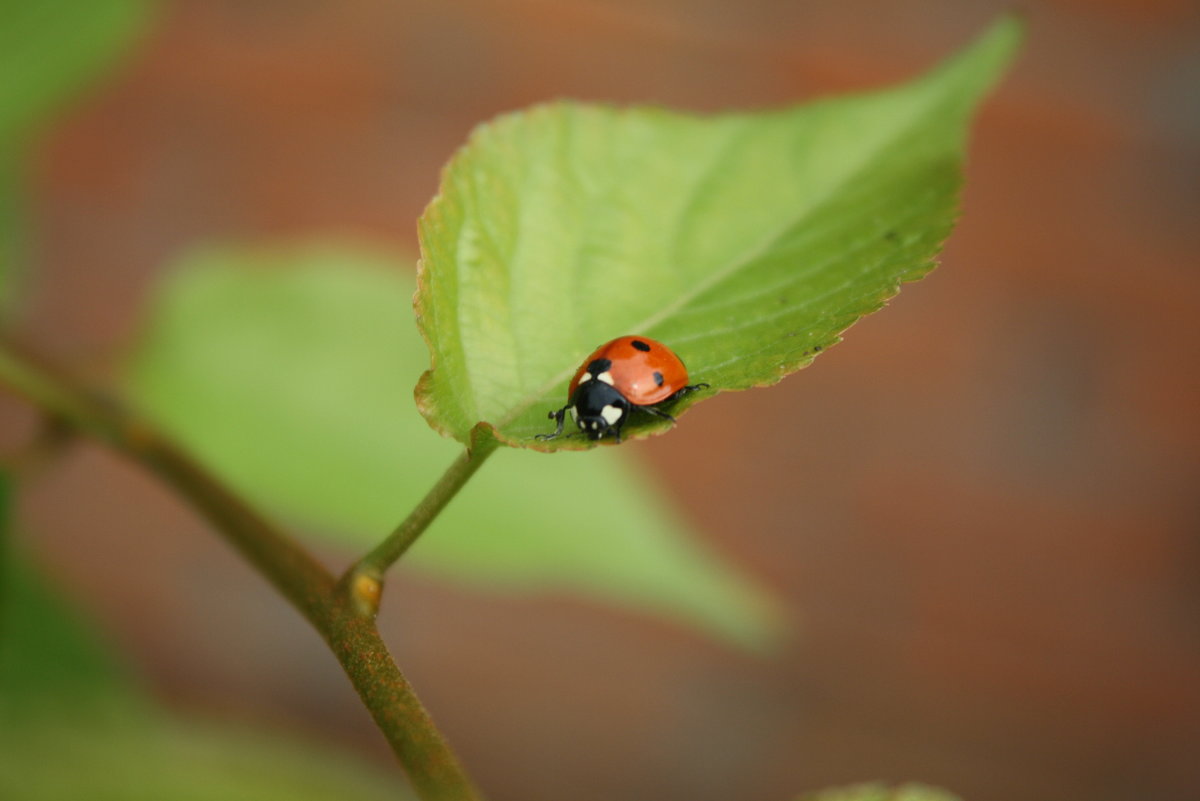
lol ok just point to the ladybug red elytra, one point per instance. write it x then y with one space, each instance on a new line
630 372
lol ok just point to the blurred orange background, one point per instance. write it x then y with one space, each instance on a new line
981 510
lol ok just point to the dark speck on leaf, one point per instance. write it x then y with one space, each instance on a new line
816 348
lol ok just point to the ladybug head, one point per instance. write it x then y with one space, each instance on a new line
598 409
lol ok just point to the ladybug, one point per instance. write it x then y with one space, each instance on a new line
630 372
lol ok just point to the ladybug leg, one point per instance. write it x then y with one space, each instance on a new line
558 418
687 389
659 412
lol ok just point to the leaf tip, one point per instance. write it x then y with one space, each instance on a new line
992 51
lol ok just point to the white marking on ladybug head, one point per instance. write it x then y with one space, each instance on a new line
606 377
574 415
611 414
594 425
586 377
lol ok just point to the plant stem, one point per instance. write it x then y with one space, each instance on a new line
352 636
363 580
432 767
304 582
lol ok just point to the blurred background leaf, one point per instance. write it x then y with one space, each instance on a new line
49 50
290 371
880 792
11 223
73 725
48 657
157 758
745 242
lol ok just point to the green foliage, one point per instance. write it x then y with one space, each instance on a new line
880 792
153 759
48 656
290 373
11 255
73 725
48 50
747 242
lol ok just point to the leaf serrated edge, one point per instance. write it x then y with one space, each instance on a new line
1002 38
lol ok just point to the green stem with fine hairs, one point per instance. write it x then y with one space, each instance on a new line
364 579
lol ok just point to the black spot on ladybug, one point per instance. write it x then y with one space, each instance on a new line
658 378
642 346
598 366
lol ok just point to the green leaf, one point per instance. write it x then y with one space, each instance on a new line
49 49
880 792
11 225
49 656
73 724
746 242
153 759
289 372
